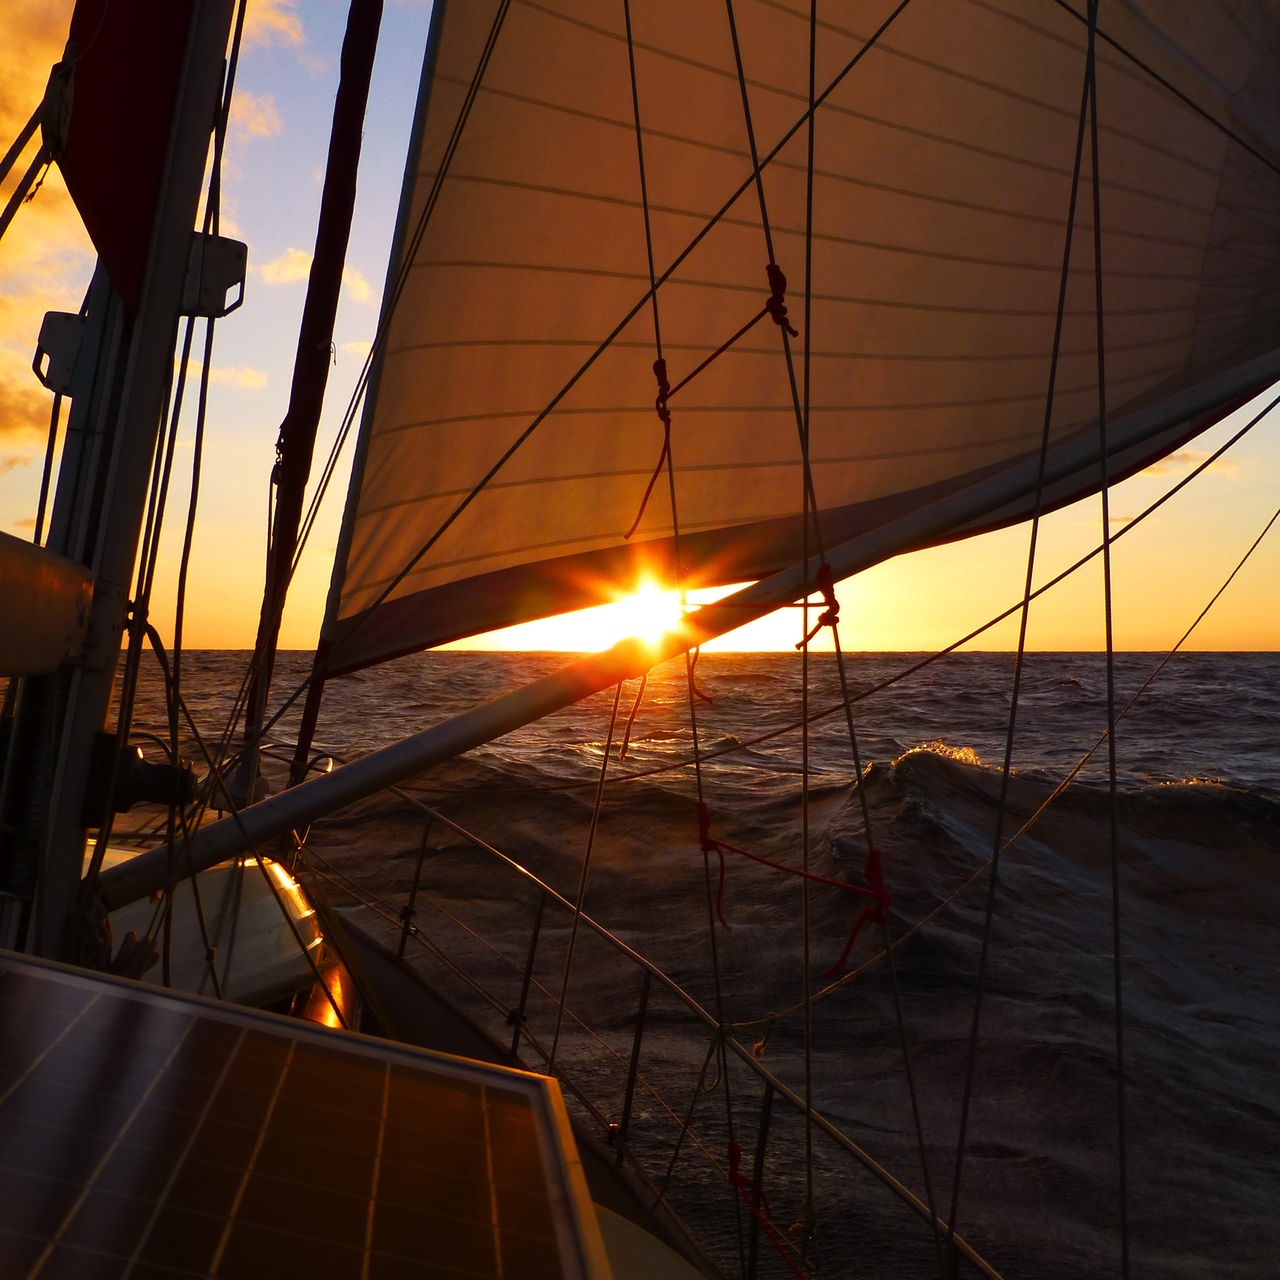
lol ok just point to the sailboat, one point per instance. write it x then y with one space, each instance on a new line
704 296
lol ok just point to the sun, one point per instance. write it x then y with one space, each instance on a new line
647 614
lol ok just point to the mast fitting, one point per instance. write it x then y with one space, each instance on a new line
216 269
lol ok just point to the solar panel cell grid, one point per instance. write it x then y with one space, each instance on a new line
149 1136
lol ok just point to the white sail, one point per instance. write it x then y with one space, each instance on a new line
513 431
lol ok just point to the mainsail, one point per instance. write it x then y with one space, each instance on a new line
582 201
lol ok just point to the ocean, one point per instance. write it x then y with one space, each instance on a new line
890 1048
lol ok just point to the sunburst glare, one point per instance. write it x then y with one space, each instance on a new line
648 613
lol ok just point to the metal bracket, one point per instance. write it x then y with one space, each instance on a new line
215 272
58 350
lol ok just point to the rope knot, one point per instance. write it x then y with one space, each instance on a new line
706 841
777 304
766 1032
664 416
873 869
709 844
664 391
876 911
825 583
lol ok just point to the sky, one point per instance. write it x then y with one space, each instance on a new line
1165 571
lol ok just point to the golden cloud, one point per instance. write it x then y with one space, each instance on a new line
291 266
34 36
241 376
357 285
24 408
45 257
295 264
1185 460
273 22
45 263
255 115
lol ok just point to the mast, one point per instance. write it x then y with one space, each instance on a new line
121 370
296 443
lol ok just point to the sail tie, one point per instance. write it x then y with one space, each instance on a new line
664 416
754 1197
875 912
825 583
777 304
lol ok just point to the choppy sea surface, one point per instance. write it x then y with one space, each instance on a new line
1187 850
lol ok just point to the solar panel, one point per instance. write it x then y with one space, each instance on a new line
152 1135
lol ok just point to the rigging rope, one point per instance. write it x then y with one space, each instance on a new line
1023 622
718 1047
1104 491
592 828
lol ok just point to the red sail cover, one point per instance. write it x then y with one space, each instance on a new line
127 58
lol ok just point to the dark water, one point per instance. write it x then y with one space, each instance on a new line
1192 858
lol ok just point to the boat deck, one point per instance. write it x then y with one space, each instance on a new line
152 1135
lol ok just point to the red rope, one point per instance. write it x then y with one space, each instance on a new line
754 1198
712 844
876 911
709 844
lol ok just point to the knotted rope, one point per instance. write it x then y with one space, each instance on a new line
777 304
876 911
825 583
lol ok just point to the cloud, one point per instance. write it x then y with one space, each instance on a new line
273 22
34 36
45 258
358 349
45 263
256 115
357 285
295 264
241 376
238 375
22 458
1185 460
24 409
292 265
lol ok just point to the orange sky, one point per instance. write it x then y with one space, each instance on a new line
1165 573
